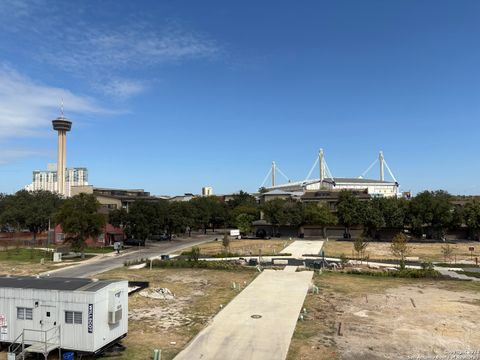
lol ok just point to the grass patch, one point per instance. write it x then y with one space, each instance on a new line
404 273
25 255
234 255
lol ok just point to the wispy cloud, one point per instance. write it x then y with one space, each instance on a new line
129 47
108 52
120 88
26 107
8 155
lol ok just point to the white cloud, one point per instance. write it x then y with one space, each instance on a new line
121 88
26 108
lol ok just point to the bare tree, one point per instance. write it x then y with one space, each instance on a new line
360 245
447 252
400 248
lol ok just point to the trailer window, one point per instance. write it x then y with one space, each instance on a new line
73 317
24 313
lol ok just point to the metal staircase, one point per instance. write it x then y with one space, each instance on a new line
35 341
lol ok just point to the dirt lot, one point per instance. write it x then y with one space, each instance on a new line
244 247
170 324
386 318
381 250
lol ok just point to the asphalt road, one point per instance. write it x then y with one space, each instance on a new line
96 266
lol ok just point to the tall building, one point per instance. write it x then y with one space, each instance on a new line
207 191
48 179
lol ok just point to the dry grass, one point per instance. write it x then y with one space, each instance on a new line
383 299
170 324
381 250
244 247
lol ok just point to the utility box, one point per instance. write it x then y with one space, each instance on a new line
57 256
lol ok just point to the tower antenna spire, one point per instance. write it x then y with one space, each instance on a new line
61 109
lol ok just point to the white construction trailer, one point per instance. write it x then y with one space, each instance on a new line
43 314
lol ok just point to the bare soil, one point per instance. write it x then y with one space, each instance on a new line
169 324
244 247
360 317
381 250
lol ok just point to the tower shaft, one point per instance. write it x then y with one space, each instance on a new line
61 161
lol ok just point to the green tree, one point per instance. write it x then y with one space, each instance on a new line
372 217
181 216
208 211
80 220
348 210
140 220
118 218
318 214
244 223
431 211
471 218
400 248
273 212
30 210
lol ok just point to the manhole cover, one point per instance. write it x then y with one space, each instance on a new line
256 316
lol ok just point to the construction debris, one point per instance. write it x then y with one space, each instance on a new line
158 293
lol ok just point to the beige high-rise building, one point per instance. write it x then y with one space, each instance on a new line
207 191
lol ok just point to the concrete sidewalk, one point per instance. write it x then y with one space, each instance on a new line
274 299
303 247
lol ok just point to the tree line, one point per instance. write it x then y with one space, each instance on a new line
432 213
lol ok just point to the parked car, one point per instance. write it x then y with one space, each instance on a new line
161 237
134 242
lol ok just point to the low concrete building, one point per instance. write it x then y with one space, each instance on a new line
40 315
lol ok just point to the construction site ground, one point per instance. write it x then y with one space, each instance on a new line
357 317
170 324
244 247
424 251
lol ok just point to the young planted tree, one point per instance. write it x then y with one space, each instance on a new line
360 245
447 252
80 220
226 243
400 248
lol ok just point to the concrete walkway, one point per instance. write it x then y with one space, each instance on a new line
275 299
303 247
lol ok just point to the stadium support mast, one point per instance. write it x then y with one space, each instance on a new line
274 169
321 158
381 160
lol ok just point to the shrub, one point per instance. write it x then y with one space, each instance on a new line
404 273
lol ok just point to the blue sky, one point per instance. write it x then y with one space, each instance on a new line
171 96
